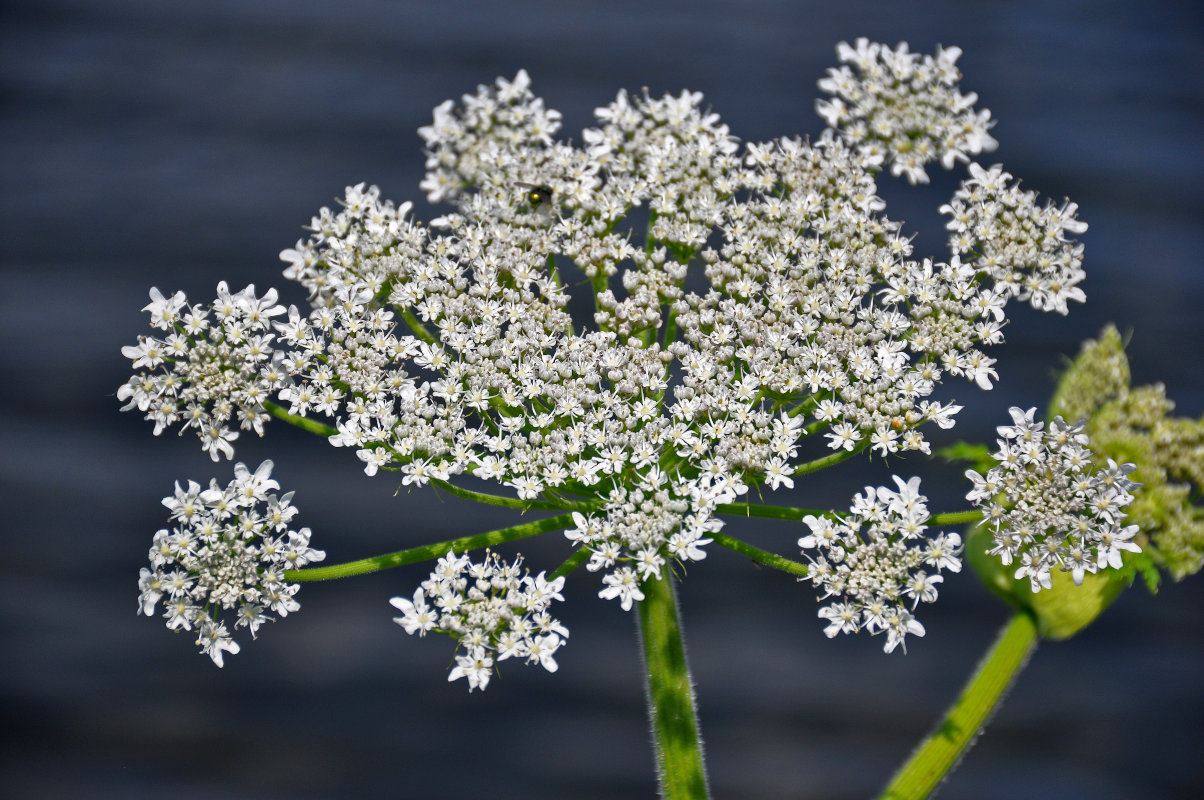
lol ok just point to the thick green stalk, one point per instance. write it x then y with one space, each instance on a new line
964 721
670 695
428 552
775 512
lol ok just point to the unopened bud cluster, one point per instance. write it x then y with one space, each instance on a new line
1137 424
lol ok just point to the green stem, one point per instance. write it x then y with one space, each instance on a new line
428 552
304 423
514 502
763 556
670 695
964 721
955 518
670 329
835 458
420 331
571 563
792 513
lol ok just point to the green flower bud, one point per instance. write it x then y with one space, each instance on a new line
1136 426
1100 373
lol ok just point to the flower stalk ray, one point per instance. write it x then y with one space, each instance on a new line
429 552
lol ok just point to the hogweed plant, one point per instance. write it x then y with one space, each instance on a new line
756 317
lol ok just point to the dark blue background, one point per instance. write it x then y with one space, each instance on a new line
169 144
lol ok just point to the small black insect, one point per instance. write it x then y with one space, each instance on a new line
537 195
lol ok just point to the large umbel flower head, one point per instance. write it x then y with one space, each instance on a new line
743 300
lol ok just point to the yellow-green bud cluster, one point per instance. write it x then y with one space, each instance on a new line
1135 425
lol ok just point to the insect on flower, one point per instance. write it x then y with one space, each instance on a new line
537 194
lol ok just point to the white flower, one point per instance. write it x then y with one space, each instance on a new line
442 349
1045 504
207 375
777 475
844 436
905 106
487 607
214 641
867 561
228 553
476 667
542 648
623 584
416 614
1023 248
898 623
1111 542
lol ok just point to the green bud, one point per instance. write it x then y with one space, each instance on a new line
1136 426
1100 372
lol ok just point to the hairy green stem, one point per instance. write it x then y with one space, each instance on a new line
420 331
670 695
762 556
964 721
571 563
429 551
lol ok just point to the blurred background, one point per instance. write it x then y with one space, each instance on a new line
147 143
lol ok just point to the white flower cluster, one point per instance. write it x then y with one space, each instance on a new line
1020 245
228 551
743 300
1048 507
873 560
904 108
491 608
637 527
206 371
